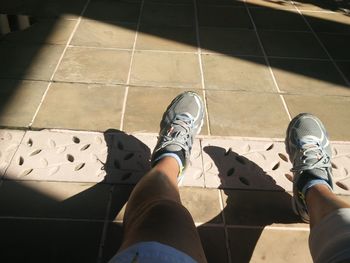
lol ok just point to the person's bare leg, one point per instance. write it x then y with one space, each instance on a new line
154 213
321 202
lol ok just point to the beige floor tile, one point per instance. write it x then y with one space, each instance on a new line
328 22
333 112
69 106
43 32
275 4
167 15
49 240
145 108
308 77
19 101
203 204
167 38
54 199
237 73
36 62
214 243
224 16
110 10
229 41
336 44
272 19
259 245
94 65
315 5
258 208
291 44
166 69
246 114
105 34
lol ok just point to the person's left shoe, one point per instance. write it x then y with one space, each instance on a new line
181 121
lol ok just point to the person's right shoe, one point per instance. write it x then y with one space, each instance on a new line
309 151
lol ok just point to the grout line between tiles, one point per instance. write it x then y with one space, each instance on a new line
105 226
130 67
59 62
323 46
227 241
268 62
199 51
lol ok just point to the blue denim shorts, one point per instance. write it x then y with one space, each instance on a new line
151 252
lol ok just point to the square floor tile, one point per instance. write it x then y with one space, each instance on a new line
54 199
55 31
345 68
258 208
333 112
19 101
272 19
166 69
275 4
229 41
104 34
69 106
291 44
328 22
337 45
35 62
49 241
237 73
308 77
246 114
113 241
214 243
150 102
203 204
167 15
224 16
94 65
270 245
167 38
122 11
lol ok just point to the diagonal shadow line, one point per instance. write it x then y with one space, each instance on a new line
163 23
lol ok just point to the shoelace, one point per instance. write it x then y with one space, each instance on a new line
180 131
312 150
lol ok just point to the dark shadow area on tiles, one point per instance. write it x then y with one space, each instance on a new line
39 225
248 211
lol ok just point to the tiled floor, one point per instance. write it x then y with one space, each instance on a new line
103 64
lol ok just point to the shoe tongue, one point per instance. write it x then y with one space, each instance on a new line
173 148
319 172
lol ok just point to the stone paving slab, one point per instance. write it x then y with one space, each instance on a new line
119 158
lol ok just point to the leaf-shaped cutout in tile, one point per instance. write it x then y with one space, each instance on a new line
20 160
79 166
262 155
283 157
86 146
44 162
334 166
126 176
30 142
98 140
208 166
70 158
246 148
195 154
289 177
341 185
231 171
51 143
93 157
120 145
345 171
26 172
76 139
335 151
128 156
54 170
270 147
240 159
197 174
275 166
101 173
61 149
37 151
244 180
